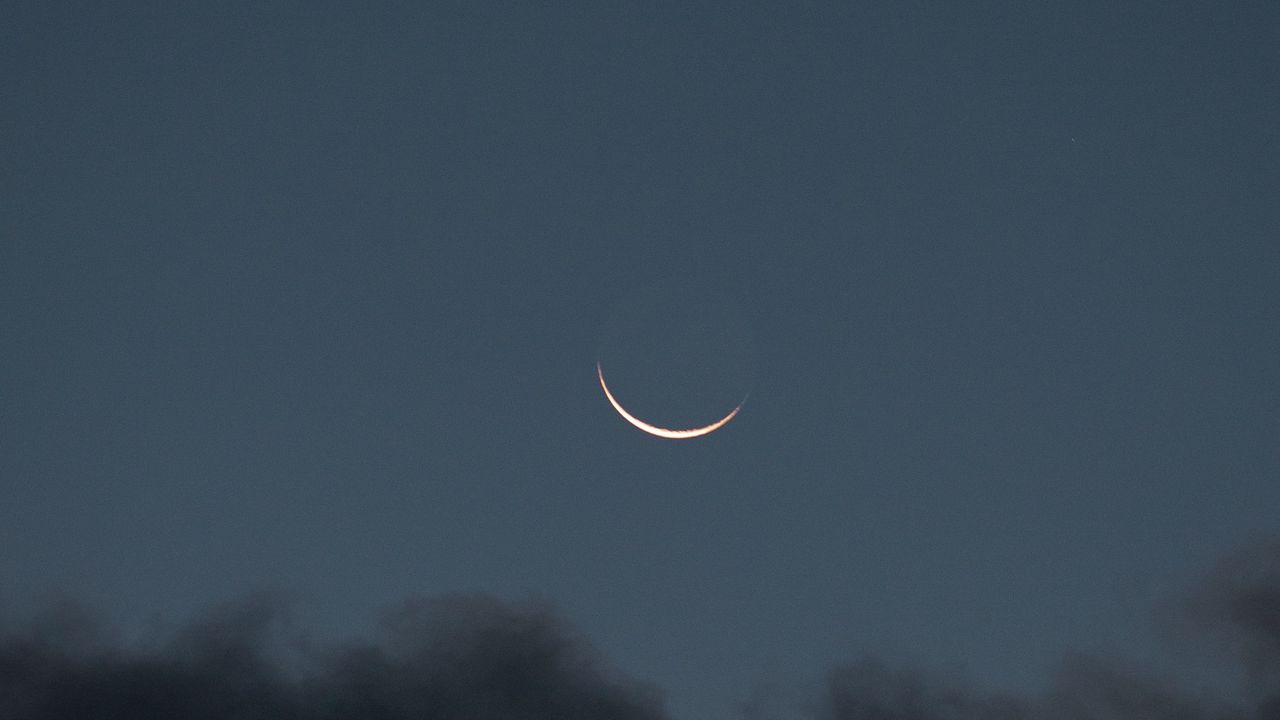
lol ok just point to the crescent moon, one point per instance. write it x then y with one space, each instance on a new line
659 431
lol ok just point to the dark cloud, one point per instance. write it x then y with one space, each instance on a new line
456 657
1088 688
1238 603
1084 689
870 689
478 658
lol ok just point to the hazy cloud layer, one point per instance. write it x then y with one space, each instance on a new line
459 657
1237 611
478 658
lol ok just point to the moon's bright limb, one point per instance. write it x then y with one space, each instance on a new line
663 432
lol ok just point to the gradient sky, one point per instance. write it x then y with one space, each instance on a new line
310 296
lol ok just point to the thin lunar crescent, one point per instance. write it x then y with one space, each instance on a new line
663 432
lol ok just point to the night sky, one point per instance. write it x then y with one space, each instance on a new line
307 299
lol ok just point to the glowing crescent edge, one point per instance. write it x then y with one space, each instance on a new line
664 432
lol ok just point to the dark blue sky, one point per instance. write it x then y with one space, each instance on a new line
307 296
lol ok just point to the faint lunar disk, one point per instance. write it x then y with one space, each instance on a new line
679 350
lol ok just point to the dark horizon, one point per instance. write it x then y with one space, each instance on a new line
480 657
